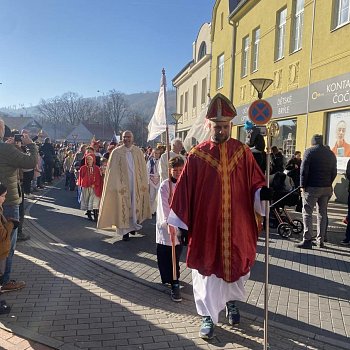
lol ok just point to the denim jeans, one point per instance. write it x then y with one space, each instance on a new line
10 211
318 196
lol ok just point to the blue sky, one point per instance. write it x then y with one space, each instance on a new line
48 47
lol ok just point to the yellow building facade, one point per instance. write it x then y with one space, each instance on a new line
302 45
222 50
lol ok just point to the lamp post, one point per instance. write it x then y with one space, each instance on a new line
260 85
176 117
103 115
272 130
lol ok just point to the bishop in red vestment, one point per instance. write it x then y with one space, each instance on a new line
215 199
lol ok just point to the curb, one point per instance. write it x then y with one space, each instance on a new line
51 342
34 336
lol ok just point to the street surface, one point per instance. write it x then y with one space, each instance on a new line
89 289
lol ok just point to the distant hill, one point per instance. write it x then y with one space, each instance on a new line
142 103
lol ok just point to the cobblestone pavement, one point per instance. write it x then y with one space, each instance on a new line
86 298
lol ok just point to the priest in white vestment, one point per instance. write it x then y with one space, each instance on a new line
125 202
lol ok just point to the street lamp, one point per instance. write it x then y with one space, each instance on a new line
272 130
176 117
260 85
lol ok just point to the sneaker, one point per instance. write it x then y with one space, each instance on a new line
175 293
29 195
12 285
4 308
320 245
232 313
345 242
304 245
207 328
126 237
132 233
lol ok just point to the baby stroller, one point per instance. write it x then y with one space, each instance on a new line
284 195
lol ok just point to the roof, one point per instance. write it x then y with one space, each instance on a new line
182 70
235 5
20 123
85 131
101 132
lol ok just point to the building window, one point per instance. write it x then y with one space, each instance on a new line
298 22
341 13
286 139
204 91
186 101
280 33
245 50
255 49
194 95
222 21
220 72
181 104
202 50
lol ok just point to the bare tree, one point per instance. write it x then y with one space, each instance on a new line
138 127
90 110
116 109
71 104
52 111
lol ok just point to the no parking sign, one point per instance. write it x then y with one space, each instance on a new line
260 112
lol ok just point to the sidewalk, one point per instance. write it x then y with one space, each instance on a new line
79 298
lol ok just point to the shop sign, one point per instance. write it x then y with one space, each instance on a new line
331 93
288 104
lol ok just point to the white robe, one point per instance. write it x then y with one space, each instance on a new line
153 182
134 226
210 292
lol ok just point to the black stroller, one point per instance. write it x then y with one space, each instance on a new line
283 196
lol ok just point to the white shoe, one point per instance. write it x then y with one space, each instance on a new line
29 196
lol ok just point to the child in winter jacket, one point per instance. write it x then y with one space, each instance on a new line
90 182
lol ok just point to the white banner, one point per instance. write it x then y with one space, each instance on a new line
157 124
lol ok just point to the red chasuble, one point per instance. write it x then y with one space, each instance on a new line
214 197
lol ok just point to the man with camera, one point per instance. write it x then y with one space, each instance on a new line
11 160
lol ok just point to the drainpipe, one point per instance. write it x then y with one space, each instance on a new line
310 64
232 70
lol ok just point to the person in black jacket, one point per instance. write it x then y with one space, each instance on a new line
346 240
318 171
293 167
49 153
277 161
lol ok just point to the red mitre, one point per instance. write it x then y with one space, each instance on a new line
221 109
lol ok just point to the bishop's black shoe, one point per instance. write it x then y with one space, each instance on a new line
232 313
